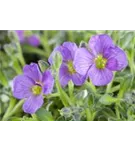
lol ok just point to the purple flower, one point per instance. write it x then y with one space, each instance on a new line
28 38
99 63
67 70
31 86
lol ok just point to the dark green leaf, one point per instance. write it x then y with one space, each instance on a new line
44 115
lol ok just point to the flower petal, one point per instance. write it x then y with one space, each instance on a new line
64 75
22 86
20 34
48 82
117 58
33 40
66 54
83 60
72 48
112 64
78 79
32 104
100 77
99 43
33 72
67 50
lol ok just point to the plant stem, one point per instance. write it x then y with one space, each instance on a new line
21 58
132 66
120 94
10 106
117 111
13 111
132 61
116 88
3 78
71 90
53 95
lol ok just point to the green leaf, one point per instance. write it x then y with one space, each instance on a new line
126 40
63 95
131 113
82 98
34 50
3 79
81 94
57 60
44 115
13 36
107 99
90 114
14 55
125 85
16 66
106 113
43 65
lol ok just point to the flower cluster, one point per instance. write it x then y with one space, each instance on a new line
28 38
78 64
97 62
67 70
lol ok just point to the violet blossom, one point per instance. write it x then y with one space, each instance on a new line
100 62
31 86
67 70
28 38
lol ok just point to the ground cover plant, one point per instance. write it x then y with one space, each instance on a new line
67 75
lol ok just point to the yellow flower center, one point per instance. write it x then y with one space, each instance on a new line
100 62
71 69
36 89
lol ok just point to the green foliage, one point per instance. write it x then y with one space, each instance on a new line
44 115
114 102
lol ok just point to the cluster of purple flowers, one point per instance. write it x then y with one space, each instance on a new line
78 64
28 38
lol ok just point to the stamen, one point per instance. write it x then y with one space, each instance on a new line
71 67
36 89
100 62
